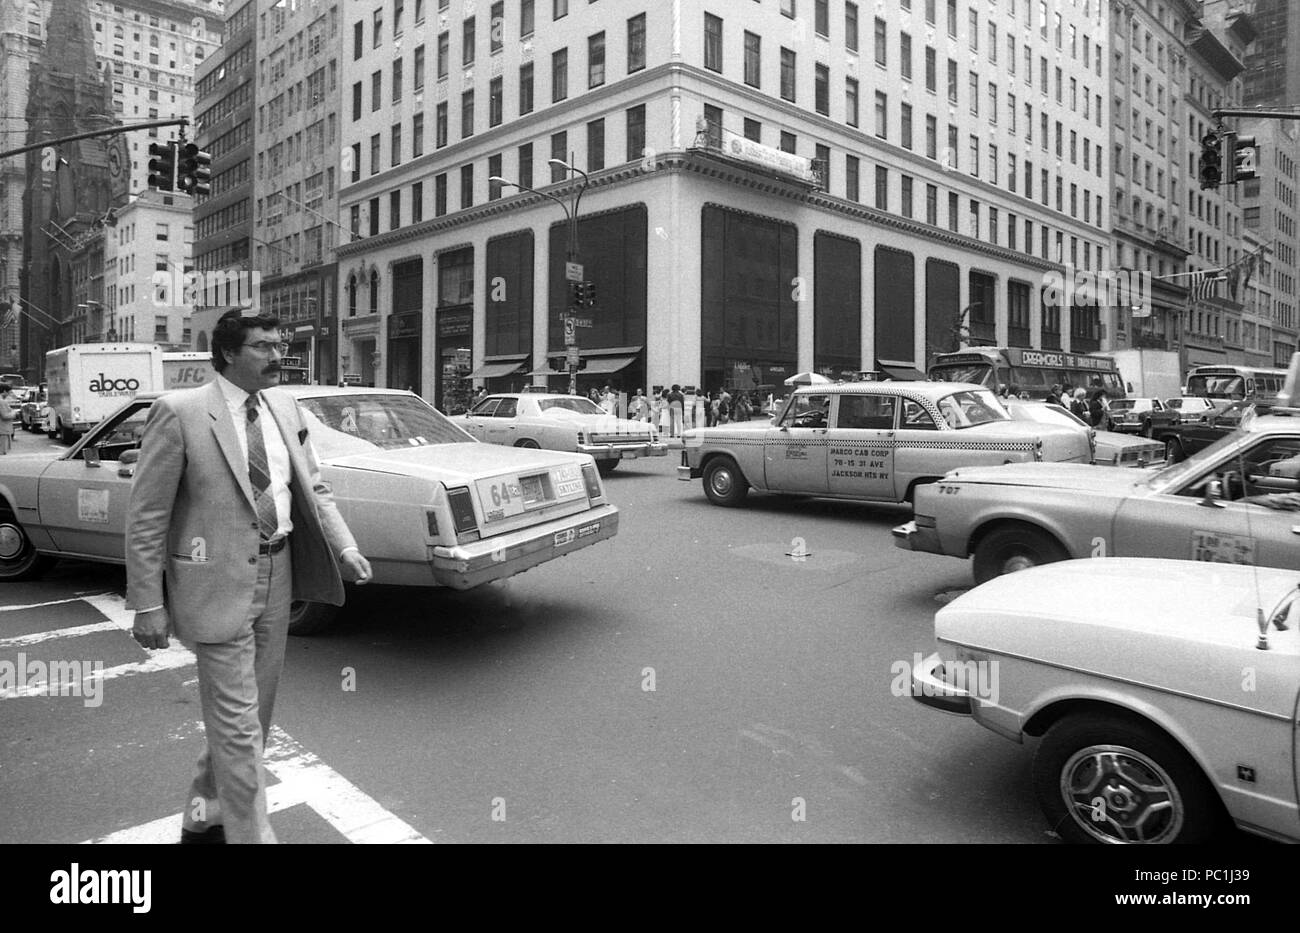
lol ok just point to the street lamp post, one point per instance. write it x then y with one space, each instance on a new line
571 256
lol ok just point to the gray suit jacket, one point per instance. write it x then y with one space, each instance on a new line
191 519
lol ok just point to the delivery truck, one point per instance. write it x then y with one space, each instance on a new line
1150 373
186 369
89 381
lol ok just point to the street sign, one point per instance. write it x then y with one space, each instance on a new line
569 324
573 271
1245 161
571 356
581 321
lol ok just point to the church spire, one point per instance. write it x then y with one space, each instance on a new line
69 41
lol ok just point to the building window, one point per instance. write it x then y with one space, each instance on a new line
851 28
444 53
753 130
395 154
882 115
440 125
417 202
932 205
466 186
596 60
467 114
905 196
526 88
374 231
496 24
635 132
905 125
931 70
467 42
636 43
882 55
525 175
822 89
376 90
931 136
905 56
595 145
823 166
494 102
753 59
440 195
526 18
821 17
713 126
417 136
374 154
394 210
787 142
494 172
559 151
851 101
559 75
787 74
356 101
712 42
851 178
419 68
882 188
397 80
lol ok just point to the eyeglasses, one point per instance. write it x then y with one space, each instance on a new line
266 346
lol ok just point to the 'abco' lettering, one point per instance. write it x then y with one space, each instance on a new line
104 384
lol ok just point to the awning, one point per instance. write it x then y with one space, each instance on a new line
607 364
902 373
493 370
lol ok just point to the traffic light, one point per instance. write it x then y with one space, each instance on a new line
1242 157
194 173
575 294
557 363
162 166
1210 167
589 294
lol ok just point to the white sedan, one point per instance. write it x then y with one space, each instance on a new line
561 422
1165 693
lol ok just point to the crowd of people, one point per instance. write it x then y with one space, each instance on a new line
672 410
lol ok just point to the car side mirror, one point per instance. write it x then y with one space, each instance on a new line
129 456
90 456
1212 489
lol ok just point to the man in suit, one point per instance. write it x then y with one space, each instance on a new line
228 508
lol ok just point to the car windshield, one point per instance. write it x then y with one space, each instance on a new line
972 407
581 406
1217 386
1123 404
1176 474
351 424
1045 414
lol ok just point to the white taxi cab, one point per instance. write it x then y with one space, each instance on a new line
875 441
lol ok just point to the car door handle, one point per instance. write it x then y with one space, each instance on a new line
1295 529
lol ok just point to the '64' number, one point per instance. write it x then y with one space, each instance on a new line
502 492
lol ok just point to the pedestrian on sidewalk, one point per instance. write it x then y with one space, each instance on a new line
7 413
676 404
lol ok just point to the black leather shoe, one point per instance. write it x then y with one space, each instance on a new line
213 835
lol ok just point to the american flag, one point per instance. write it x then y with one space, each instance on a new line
1201 286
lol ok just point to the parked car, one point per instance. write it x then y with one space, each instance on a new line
428 505
1110 448
1186 438
1131 415
33 409
561 422
1133 675
1223 504
874 441
1191 408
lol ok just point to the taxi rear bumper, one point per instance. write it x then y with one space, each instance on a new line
472 564
623 451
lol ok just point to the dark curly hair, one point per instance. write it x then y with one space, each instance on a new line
230 330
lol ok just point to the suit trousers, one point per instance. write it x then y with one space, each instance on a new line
237 685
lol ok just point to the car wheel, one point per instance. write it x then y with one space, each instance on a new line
529 443
607 467
307 618
1014 547
19 559
1113 779
724 484
1174 452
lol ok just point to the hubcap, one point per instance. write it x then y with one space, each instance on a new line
12 541
1018 562
721 482
1119 795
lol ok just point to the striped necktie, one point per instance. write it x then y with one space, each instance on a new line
259 471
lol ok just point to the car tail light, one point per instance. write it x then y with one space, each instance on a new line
431 518
592 479
462 510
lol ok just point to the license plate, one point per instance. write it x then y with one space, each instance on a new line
1222 549
564 537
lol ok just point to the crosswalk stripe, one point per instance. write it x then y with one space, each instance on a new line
35 638
304 779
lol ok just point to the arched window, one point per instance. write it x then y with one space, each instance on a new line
352 296
374 291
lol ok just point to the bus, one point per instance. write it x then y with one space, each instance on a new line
1234 382
1032 371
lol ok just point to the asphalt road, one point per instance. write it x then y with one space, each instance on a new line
688 681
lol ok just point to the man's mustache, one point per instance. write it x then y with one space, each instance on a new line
271 368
